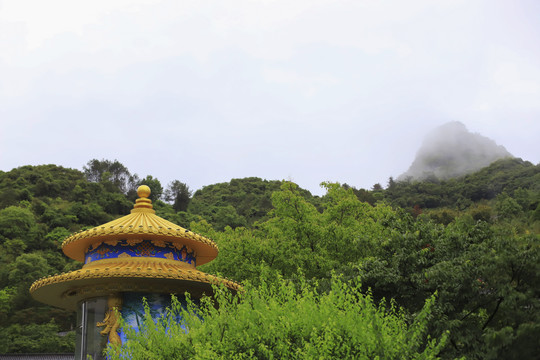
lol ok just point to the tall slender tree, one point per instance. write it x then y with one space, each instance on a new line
112 171
179 194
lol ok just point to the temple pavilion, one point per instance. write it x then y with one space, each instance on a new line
138 255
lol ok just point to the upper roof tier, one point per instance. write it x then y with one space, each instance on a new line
142 224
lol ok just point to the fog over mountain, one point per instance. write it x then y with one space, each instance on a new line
451 151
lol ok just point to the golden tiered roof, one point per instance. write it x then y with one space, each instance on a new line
142 222
142 274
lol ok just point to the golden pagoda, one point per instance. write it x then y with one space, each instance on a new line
138 255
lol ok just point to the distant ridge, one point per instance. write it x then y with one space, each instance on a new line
450 151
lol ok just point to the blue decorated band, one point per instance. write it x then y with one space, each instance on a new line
112 249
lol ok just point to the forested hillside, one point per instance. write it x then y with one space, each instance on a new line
474 241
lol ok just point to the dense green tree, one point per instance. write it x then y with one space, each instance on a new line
6 302
39 207
474 240
179 194
486 278
364 196
107 171
54 217
35 338
250 198
536 213
485 282
90 214
114 203
27 268
14 247
282 321
507 207
17 223
297 235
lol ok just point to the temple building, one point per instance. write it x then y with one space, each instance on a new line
138 255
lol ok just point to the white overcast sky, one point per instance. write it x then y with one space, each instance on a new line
308 90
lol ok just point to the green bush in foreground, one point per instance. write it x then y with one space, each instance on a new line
281 320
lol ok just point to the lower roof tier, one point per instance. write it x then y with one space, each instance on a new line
104 277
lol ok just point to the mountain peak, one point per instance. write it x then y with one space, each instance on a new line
450 150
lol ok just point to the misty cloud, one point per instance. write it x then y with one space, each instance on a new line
451 151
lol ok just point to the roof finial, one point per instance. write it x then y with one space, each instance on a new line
143 191
143 202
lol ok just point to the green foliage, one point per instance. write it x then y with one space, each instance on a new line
179 194
90 214
486 280
242 201
481 212
112 174
507 207
114 203
39 207
479 269
297 235
506 191
536 213
27 268
281 320
508 175
6 300
35 338
17 222
474 240
364 195
26 182
443 215
57 235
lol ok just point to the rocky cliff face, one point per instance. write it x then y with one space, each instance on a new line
450 151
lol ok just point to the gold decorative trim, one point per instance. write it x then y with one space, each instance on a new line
139 268
68 290
132 242
108 230
159 243
132 260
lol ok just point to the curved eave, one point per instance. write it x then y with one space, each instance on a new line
66 290
140 225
